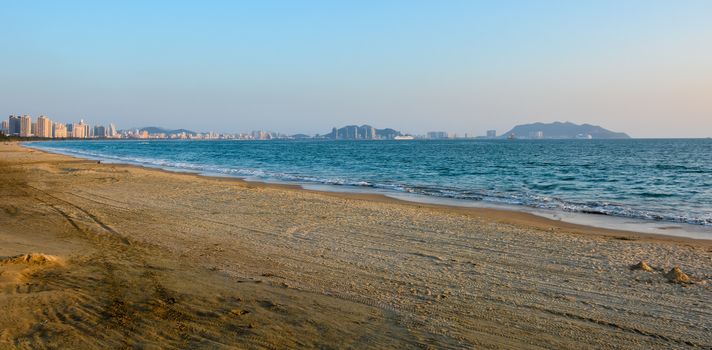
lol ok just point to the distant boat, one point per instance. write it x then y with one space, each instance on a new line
406 137
511 136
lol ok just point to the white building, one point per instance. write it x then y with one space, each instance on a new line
60 130
44 127
112 131
80 130
25 126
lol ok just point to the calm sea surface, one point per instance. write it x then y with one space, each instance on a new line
663 180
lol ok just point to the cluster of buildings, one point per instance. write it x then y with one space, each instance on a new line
367 132
437 135
189 135
443 135
354 132
43 127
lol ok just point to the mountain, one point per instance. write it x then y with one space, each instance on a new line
559 130
301 136
363 132
157 130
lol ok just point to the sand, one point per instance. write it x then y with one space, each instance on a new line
115 256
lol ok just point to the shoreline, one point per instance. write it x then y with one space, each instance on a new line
506 213
121 256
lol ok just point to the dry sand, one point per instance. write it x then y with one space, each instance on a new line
113 256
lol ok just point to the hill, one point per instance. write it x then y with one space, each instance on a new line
559 130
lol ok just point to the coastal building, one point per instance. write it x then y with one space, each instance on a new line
44 127
536 135
261 135
354 132
351 132
5 127
437 135
111 132
99 131
14 124
25 126
368 132
80 130
88 131
60 131
491 134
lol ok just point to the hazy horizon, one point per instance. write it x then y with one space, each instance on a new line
640 67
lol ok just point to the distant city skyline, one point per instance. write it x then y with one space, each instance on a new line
641 67
45 127
25 125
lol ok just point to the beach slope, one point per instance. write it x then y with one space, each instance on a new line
114 256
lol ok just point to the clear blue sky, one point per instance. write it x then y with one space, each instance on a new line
644 67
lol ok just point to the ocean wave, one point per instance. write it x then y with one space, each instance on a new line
527 199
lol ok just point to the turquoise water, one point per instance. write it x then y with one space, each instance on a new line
661 180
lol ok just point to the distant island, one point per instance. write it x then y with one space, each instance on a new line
559 130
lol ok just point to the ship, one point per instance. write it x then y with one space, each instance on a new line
404 137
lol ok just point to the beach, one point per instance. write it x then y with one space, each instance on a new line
114 256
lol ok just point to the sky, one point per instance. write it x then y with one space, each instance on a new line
642 67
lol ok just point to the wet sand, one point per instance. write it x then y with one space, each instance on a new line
115 256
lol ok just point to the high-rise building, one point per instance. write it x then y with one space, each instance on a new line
80 130
491 134
351 132
60 131
15 125
437 135
112 131
99 131
25 126
367 132
5 127
261 135
44 127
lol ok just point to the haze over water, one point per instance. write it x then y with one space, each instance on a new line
661 180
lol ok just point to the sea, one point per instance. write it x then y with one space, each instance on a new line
651 185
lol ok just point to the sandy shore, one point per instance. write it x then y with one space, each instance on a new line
121 256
